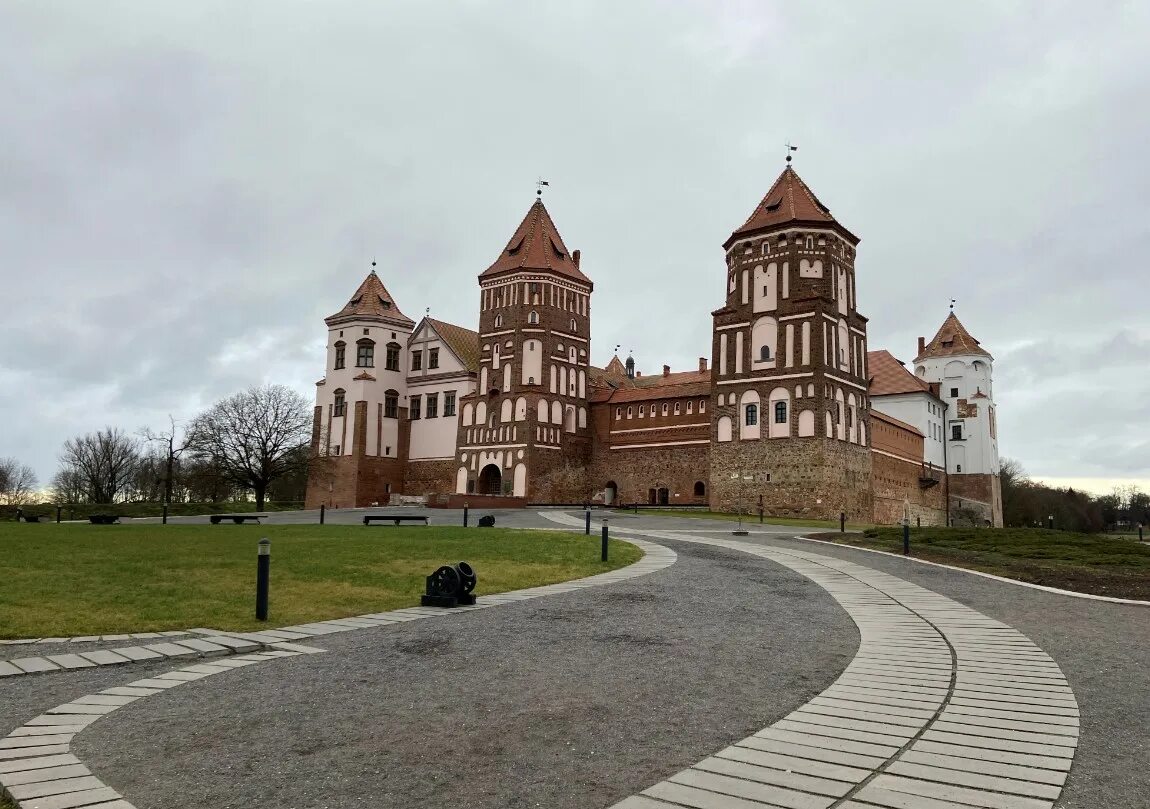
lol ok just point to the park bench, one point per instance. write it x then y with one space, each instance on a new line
31 517
396 519
238 519
103 519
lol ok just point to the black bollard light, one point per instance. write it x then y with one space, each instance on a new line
322 512
164 518
906 537
760 515
842 522
58 509
587 521
263 578
1050 521
464 515
1139 532
918 522
603 550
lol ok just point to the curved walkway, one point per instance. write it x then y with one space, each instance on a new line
942 708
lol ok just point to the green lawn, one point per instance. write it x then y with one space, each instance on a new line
47 511
1089 563
752 518
86 579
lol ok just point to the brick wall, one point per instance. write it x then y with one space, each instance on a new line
430 477
814 478
636 471
896 480
976 498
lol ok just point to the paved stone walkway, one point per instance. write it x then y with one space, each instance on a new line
942 708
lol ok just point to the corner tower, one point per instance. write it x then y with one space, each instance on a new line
360 421
963 370
788 389
525 432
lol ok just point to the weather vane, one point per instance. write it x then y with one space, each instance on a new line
952 302
539 186
789 150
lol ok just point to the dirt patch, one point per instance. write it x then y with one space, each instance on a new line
429 645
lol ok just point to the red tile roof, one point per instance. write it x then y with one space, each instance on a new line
790 200
371 301
952 340
536 245
681 385
464 343
888 376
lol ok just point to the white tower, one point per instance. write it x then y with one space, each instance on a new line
962 370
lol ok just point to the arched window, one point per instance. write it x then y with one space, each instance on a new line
533 317
702 405
392 359
498 321
676 408
574 328
365 354
764 353
391 404
339 409
340 354
618 413
810 242
700 489
780 412
752 415
664 409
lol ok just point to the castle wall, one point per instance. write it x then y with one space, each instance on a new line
896 481
430 477
977 498
639 471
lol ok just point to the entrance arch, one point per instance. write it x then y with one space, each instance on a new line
491 480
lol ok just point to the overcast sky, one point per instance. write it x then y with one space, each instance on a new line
188 188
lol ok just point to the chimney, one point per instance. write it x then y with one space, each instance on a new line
666 370
921 345
702 365
638 374
575 258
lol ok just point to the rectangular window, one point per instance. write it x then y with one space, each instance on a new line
335 449
365 355
956 432
392 357
340 354
415 407
433 405
391 406
449 403
416 360
954 393
433 358
340 408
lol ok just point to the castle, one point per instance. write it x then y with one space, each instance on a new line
792 413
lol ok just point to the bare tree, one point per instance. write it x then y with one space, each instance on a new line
255 437
104 462
172 452
17 483
68 487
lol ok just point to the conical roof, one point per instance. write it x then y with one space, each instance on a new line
371 301
788 201
952 340
536 245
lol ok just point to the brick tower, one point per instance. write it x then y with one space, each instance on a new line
789 406
962 369
360 419
525 431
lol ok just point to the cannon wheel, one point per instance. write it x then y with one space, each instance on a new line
446 581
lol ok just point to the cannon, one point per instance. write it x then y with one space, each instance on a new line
450 586
487 521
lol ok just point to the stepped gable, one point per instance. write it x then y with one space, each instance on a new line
789 201
952 340
464 343
371 301
537 245
888 376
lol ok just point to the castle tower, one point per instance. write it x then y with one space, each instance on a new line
962 369
788 387
525 432
360 420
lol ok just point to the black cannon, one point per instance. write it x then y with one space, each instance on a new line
487 521
450 586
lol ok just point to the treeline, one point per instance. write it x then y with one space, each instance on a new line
1027 502
254 443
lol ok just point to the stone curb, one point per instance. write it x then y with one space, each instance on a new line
94 638
1056 590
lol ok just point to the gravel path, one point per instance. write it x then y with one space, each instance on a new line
575 700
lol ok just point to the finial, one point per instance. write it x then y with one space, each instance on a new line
952 302
539 186
373 265
789 150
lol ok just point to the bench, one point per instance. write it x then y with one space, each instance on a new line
31 517
396 519
238 519
103 519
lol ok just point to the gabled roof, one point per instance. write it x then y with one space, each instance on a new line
615 367
952 340
888 376
464 343
790 201
371 301
612 387
536 245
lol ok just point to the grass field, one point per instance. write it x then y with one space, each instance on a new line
752 518
1087 563
47 511
62 580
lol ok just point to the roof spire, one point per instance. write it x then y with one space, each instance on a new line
789 150
539 186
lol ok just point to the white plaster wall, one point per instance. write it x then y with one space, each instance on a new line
532 362
766 288
915 410
969 374
434 438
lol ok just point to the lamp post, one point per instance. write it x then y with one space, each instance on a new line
1050 521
